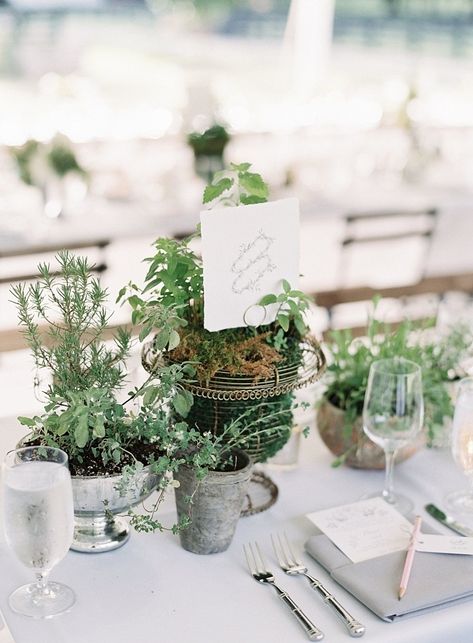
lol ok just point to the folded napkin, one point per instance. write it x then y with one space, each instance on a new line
437 580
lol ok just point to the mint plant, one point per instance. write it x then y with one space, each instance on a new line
236 186
170 306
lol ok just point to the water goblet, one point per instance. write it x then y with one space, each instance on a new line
462 446
393 415
38 519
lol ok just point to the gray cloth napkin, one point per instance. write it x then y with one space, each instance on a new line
437 580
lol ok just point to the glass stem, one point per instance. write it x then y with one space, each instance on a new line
41 589
388 491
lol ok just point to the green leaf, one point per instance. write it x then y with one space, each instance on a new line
174 340
81 433
250 200
293 307
283 322
120 294
26 421
211 192
162 339
150 395
62 428
144 332
300 325
240 167
99 428
189 397
134 301
285 285
253 184
268 299
181 403
188 370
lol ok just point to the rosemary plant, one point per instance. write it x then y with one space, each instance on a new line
64 320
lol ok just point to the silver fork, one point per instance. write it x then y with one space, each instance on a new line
293 566
259 571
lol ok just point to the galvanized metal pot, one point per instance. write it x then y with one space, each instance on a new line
216 505
96 498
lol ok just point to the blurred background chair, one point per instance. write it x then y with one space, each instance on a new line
388 248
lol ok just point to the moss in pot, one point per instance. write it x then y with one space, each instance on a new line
119 451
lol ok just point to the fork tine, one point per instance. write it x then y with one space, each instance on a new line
295 560
263 562
259 568
279 550
249 560
286 552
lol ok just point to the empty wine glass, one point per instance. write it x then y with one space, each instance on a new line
462 445
38 522
393 414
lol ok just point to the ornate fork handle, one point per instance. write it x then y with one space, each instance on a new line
311 630
354 627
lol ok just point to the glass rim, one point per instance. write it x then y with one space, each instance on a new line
384 366
22 449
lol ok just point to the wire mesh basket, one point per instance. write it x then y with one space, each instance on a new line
226 397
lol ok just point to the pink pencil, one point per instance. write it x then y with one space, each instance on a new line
406 572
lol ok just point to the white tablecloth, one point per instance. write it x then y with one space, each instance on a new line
152 590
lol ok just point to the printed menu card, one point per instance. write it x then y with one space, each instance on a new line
364 529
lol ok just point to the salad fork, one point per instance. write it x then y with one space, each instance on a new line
259 571
291 565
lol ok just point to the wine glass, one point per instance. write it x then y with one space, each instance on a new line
38 521
393 415
462 445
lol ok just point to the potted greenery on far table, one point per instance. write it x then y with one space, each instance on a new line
48 166
209 147
248 369
339 413
120 446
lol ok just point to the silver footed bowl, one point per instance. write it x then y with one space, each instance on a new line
98 500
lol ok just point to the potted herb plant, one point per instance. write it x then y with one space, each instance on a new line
120 446
209 147
339 413
239 369
213 481
48 166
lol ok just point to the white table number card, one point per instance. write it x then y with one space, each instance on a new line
365 529
246 252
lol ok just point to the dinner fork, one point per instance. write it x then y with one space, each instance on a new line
259 571
290 564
